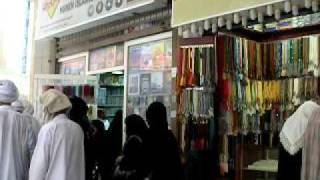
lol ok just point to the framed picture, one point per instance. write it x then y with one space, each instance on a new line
74 65
107 59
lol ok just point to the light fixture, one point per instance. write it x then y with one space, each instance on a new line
253 14
295 10
260 16
244 21
214 27
229 24
206 25
307 4
236 18
269 10
315 5
180 31
117 72
277 14
186 32
193 28
200 29
221 22
287 6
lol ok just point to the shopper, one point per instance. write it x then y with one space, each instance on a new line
78 114
114 144
19 106
99 149
17 138
59 153
165 154
133 164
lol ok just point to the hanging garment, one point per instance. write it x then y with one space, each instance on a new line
293 130
311 149
59 153
17 142
289 166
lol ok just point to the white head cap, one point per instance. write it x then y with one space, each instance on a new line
18 106
8 91
55 101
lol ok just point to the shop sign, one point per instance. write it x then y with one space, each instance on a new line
57 16
188 11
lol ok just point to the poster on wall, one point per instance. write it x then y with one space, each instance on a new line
146 58
156 82
145 84
134 85
158 56
119 55
111 56
74 65
97 60
104 58
134 56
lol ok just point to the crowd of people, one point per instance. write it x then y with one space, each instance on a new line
66 145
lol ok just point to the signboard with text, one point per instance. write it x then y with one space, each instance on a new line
57 16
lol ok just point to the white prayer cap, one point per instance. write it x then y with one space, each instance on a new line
8 91
18 106
55 101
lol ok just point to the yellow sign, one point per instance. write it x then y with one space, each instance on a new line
188 11
51 7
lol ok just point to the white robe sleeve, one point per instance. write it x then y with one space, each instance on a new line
31 142
40 159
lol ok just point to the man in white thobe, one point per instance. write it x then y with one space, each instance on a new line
59 153
20 107
17 140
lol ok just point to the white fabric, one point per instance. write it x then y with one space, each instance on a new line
8 91
18 106
59 154
291 135
28 108
17 143
35 124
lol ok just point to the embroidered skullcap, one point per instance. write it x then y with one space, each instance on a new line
8 91
55 101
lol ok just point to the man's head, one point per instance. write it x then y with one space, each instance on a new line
8 92
54 102
18 106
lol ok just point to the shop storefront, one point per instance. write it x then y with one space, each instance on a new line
91 45
263 63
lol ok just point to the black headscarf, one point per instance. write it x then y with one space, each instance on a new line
157 117
165 154
135 125
78 112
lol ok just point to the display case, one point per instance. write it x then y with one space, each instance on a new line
111 94
85 87
149 73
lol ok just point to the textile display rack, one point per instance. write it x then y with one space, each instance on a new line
196 82
259 86
85 87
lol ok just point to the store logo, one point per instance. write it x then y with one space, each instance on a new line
51 6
